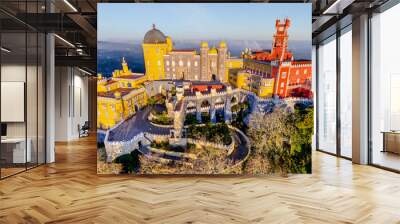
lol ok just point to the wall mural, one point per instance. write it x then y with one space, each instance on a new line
204 88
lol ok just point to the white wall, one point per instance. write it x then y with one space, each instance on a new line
16 73
33 126
11 73
71 102
61 103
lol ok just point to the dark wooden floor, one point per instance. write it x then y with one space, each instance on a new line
70 191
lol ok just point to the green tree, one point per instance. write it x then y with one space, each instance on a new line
152 101
130 162
283 139
173 91
190 119
205 117
241 110
217 133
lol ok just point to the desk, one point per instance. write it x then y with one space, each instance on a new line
391 141
17 148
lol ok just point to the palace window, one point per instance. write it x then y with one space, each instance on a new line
173 63
188 64
167 62
283 75
297 72
180 63
305 71
195 63
159 62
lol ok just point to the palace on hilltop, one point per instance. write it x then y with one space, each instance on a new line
209 74
163 61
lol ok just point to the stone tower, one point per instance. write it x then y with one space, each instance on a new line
280 39
222 53
204 61
155 46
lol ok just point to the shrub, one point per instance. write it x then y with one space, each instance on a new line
167 146
217 133
162 119
205 117
101 153
130 162
190 119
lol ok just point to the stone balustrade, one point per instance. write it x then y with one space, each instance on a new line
117 148
229 148
172 153
298 99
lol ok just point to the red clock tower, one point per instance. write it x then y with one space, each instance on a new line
280 41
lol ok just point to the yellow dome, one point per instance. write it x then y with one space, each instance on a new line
213 51
222 44
204 44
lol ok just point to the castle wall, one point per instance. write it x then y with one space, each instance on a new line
182 65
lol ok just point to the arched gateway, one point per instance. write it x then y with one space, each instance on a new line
211 102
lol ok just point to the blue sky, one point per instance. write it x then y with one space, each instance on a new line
232 21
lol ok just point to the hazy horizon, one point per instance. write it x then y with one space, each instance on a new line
181 44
